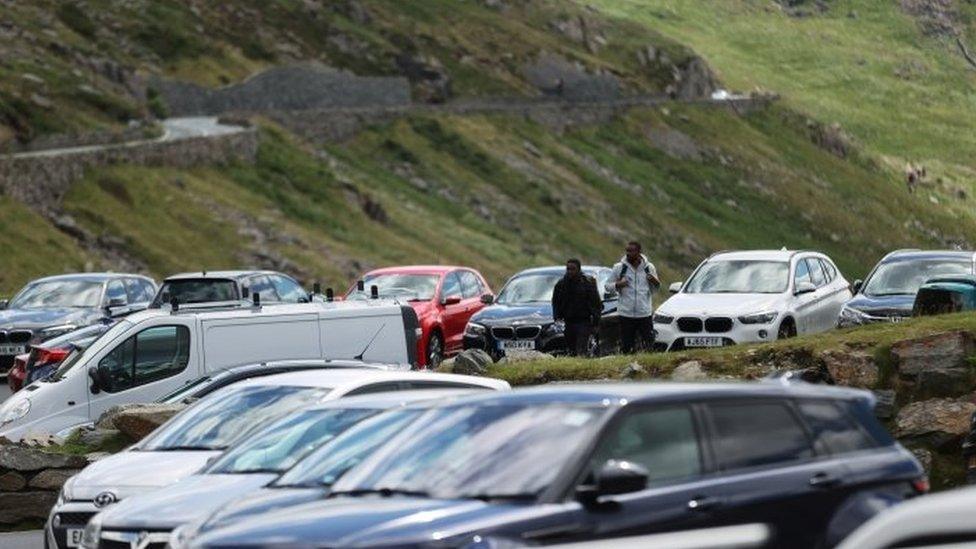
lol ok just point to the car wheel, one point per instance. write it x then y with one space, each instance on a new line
435 350
593 346
787 329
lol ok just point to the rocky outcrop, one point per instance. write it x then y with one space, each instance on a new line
935 423
936 365
472 362
689 371
556 76
135 421
30 479
514 357
851 368
19 458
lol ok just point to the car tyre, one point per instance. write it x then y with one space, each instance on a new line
787 329
435 350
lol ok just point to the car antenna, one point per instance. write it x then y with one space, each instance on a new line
360 355
374 292
329 295
174 304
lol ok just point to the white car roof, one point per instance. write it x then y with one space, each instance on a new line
217 274
344 380
754 255
270 309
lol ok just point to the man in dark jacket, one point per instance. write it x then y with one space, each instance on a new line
576 303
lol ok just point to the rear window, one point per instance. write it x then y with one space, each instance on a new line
197 291
754 434
833 431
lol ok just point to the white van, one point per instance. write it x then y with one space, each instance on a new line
152 353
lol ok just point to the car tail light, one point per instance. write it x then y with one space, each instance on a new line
50 356
921 485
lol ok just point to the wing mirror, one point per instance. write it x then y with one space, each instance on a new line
675 287
487 299
856 287
614 477
114 303
96 386
452 300
804 288
4 303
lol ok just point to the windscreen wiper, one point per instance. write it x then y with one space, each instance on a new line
501 497
190 448
385 492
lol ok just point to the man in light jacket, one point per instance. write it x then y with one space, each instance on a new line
634 278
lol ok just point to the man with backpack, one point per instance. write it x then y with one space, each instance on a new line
634 278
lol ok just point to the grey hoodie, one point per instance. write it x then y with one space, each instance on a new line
635 298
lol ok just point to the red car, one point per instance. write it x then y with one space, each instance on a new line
38 357
443 297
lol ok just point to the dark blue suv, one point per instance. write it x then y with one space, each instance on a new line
557 464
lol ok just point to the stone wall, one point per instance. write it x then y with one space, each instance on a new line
296 87
42 179
30 480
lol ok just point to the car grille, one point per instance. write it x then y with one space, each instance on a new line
503 332
19 336
718 324
690 324
67 520
132 540
527 332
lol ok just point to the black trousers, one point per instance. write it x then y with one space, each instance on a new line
577 336
636 334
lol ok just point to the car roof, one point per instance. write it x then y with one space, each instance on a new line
556 269
346 379
755 255
237 309
236 275
90 277
298 364
393 399
909 255
417 269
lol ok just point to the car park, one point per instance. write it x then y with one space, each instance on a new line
945 294
43 359
751 296
153 352
591 462
888 292
444 298
185 443
255 463
229 286
520 318
48 307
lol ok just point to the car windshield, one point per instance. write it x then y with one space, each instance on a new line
479 451
81 357
326 464
413 287
740 277
227 416
905 277
530 288
57 294
278 446
197 291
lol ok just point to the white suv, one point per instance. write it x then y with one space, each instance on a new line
749 296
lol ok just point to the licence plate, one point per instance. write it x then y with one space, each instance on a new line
518 345
13 349
74 536
703 342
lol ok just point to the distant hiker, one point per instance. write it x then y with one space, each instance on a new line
911 177
560 86
576 302
634 278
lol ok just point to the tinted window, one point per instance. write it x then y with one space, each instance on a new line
833 432
288 290
471 286
754 434
802 273
375 388
261 285
816 272
115 369
452 286
150 355
139 290
115 290
198 291
663 441
829 270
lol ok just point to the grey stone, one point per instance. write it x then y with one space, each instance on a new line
632 370
92 457
851 368
689 371
513 357
96 437
938 364
51 479
472 362
20 506
884 407
936 423
137 421
924 457
12 481
19 458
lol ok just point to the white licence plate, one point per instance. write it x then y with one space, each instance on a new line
518 345
13 349
74 536
703 342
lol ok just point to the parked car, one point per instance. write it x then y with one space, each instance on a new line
153 352
185 443
945 294
444 298
737 297
227 286
48 307
521 317
583 462
252 465
938 521
888 292
44 358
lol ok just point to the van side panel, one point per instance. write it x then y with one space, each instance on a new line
346 337
235 341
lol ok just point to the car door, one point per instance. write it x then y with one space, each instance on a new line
453 313
823 295
471 289
838 293
804 304
144 366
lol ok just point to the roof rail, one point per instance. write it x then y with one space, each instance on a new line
212 306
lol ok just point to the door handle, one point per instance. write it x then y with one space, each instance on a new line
703 503
824 480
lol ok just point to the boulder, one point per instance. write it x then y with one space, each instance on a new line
924 457
472 362
51 479
92 457
12 481
689 371
632 371
19 458
513 357
936 423
938 364
138 420
95 438
884 407
851 368
17 507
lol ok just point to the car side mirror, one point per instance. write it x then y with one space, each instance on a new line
113 304
613 478
487 299
4 303
856 287
804 288
452 300
675 287
96 386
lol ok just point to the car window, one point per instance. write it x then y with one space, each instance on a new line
261 285
288 290
452 286
664 441
152 354
470 285
115 290
439 385
816 272
139 290
829 271
755 434
802 273
833 432
375 388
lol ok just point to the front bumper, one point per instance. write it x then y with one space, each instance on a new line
70 515
671 337
546 340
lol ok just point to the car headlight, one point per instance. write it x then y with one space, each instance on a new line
14 411
658 318
473 329
93 531
759 318
850 316
556 328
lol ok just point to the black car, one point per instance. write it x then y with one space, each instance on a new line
888 293
53 306
520 319
228 286
596 462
